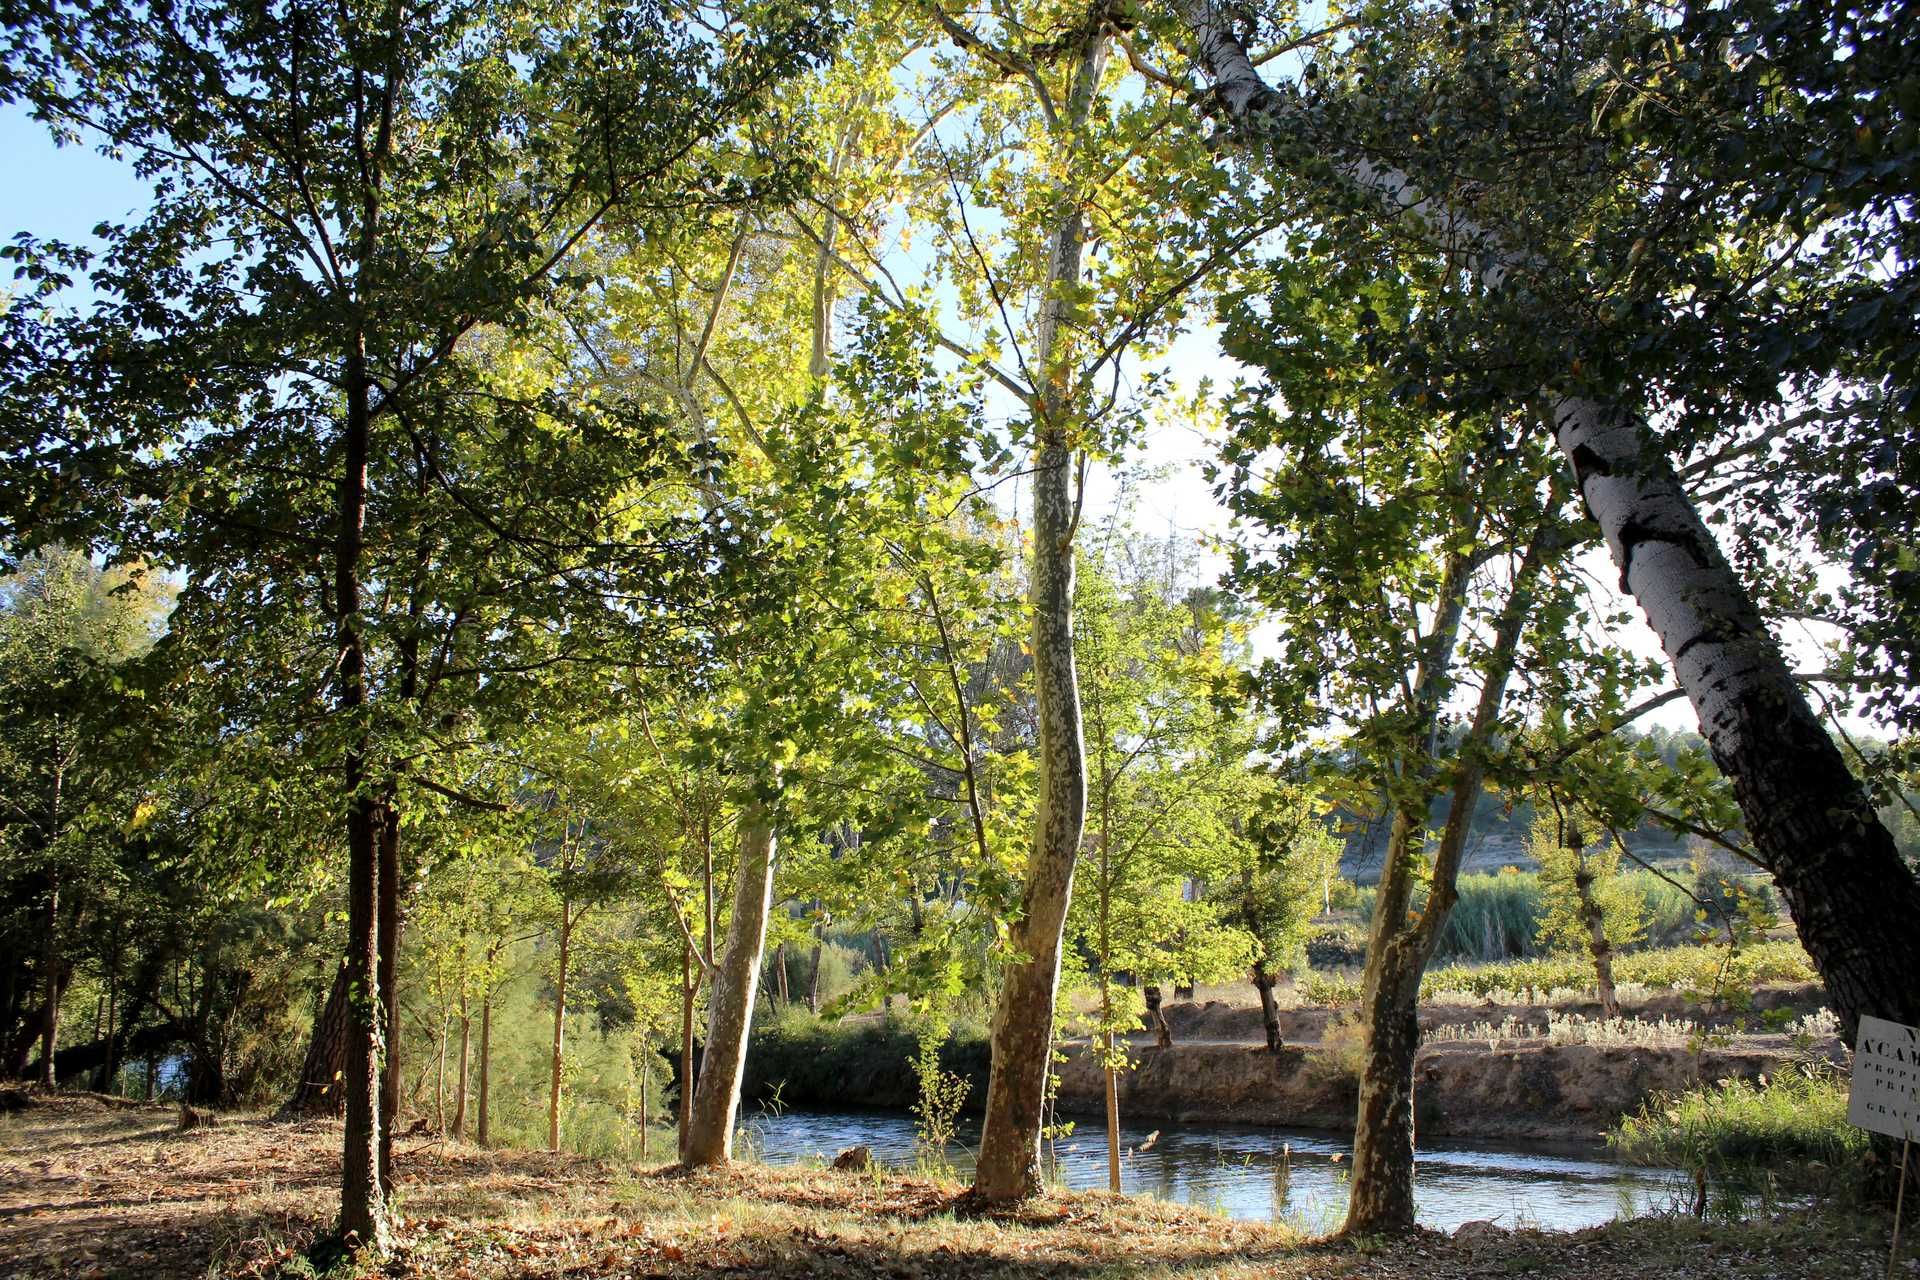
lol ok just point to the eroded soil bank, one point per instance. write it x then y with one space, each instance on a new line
1462 1089
1520 1085
90 1191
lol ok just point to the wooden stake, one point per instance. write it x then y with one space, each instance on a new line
1899 1201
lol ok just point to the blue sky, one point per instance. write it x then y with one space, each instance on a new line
62 192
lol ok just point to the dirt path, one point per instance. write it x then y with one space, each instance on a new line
91 1191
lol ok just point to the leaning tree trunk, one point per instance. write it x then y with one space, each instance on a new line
716 1098
318 1091
1008 1166
1811 822
1263 982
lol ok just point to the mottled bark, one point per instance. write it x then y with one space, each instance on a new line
1809 820
1008 1165
716 1098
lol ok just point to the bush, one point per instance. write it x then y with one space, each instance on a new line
1329 990
1342 1058
868 1061
1703 970
1498 915
1745 1138
1700 969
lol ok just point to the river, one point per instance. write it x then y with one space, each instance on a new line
1292 1176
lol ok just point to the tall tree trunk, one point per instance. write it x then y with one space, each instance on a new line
481 1133
1263 982
440 1081
1381 1194
110 1065
363 1209
559 1028
1008 1166
730 1007
388 961
780 975
318 1092
1811 823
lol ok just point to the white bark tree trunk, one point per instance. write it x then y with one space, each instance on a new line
716 1098
1811 823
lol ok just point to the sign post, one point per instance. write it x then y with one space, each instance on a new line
1885 1097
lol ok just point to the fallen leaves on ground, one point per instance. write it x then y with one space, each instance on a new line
97 1191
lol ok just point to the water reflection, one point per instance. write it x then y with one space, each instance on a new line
1282 1175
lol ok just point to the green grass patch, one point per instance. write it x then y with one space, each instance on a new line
1790 1123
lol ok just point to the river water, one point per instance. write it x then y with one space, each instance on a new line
1292 1176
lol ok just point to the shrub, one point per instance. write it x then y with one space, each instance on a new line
1343 1052
1328 990
866 1060
1744 1138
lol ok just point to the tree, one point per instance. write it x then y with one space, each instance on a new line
358 233
1812 824
1588 907
1164 775
74 761
1290 855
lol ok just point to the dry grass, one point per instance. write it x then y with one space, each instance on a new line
90 1190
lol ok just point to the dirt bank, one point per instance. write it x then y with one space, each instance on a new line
1515 1089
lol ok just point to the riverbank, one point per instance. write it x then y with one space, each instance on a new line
93 1191
1500 1072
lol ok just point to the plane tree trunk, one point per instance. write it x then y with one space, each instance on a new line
716 1097
1008 1166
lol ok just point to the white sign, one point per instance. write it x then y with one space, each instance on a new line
1886 1079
